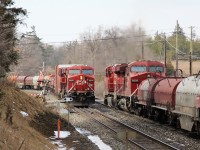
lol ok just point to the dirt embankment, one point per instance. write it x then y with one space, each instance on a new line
26 123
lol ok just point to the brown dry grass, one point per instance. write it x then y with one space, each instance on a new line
16 131
99 86
184 65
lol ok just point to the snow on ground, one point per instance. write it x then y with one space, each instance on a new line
24 114
63 134
94 138
55 141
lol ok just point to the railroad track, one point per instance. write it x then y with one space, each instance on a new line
125 132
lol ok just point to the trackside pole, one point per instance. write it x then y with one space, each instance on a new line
58 128
58 123
67 100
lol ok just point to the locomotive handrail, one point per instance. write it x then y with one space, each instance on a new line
133 93
198 74
119 89
175 72
156 72
90 87
168 81
72 87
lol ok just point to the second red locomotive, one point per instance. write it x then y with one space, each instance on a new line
122 81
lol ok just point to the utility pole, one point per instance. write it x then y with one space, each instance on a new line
165 49
142 50
191 50
177 28
141 38
43 69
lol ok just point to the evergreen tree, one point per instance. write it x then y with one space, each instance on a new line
9 18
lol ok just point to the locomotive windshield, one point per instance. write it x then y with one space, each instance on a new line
155 69
74 71
138 69
87 71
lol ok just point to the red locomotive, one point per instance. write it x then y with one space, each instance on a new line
122 81
75 81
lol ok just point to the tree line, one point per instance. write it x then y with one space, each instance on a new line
95 47
104 46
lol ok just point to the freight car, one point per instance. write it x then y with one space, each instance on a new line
27 82
156 98
175 100
187 105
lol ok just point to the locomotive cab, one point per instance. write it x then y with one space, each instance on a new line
80 85
75 81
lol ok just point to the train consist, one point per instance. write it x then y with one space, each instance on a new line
75 81
142 88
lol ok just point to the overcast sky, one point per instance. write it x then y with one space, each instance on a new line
64 20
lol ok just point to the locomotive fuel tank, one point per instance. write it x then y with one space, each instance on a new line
188 102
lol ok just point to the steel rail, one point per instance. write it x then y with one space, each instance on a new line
88 112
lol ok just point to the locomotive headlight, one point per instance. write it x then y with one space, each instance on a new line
81 77
148 76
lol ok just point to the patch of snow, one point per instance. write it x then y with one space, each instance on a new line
59 144
168 139
94 138
83 131
63 148
63 134
55 141
24 114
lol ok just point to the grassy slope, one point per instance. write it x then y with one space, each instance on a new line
18 132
